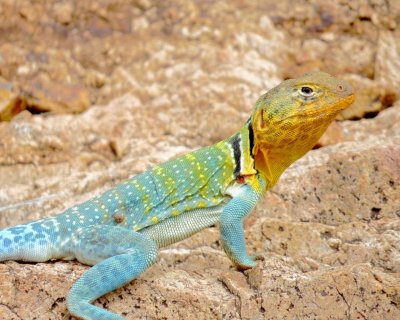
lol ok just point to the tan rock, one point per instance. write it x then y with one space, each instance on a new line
333 135
46 95
388 59
177 76
63 12
371 98
198 55
341 293
329 230
10 103
384 125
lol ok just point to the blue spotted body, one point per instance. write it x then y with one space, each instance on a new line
120 231
197 180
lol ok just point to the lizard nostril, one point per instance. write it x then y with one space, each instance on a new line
340 87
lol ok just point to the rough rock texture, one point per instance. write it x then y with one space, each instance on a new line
329 231
162 80
63 56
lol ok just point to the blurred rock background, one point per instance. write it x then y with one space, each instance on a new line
93 92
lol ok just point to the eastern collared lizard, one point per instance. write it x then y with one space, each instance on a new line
120 231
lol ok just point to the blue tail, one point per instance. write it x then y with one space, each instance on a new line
37 241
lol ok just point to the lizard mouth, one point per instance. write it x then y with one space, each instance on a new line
333 108
345 102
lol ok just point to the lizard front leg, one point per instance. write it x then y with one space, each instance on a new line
244 199
119 255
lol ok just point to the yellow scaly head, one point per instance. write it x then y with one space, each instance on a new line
289 119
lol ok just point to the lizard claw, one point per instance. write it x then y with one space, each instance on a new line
251 263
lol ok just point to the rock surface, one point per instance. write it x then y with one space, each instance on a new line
329 231
162 80
190 54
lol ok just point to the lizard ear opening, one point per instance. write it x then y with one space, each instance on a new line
259 121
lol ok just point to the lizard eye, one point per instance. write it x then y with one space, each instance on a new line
306 91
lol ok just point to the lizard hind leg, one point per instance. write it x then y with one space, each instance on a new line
118 255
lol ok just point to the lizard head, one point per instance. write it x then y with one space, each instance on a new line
299 108
289 119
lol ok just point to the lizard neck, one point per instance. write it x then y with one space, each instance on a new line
273 155
254 154
242 144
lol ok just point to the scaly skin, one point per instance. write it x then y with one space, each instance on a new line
120 231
